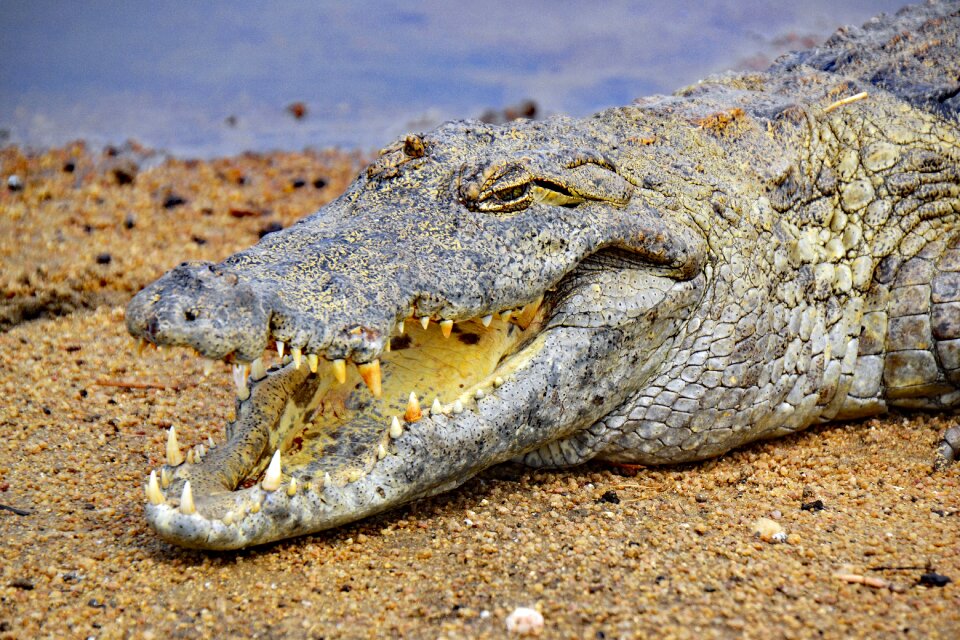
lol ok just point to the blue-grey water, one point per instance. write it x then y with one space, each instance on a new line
215 78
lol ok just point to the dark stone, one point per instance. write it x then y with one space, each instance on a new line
104 258
610 496
816 505
271 227
934 579
21 583
172 201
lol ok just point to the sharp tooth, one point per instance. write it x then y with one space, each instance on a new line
436 408
401 327
425 321
297 356
141 343
396 430
312 362
257 370
280 349
174 457
457 407
165 478
187 506
478 394
200 452
370 372
210 442
498 381
505 316
486 320
340 370
386 346
228 518
528 313
190 458
381 451
240 374
327 480
208 366
446 326
413 412
292 487
274 476
153 489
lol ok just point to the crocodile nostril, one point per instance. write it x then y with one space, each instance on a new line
190 316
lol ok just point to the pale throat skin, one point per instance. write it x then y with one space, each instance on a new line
655 284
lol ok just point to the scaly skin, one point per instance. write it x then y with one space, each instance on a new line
753 255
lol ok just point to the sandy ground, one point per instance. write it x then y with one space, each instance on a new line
667 553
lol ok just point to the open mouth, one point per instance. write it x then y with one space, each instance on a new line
306 424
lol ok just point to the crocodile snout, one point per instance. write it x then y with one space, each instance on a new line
203 306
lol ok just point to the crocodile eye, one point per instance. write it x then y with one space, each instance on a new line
509 194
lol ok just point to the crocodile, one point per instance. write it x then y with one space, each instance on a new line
657 283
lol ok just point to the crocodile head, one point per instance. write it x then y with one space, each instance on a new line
477 293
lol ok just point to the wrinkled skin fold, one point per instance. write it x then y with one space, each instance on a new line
655 284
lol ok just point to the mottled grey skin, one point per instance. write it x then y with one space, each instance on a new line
745 258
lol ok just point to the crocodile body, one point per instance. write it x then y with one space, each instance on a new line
654 284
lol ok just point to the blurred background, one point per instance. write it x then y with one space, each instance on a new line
205 79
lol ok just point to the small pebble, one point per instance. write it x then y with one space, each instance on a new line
525 621
14 183
769 530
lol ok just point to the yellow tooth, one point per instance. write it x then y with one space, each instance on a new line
292 487
340 370
413 412
446 326
255 507
528 313
190 458
436 409
187 506
210 442
505 316
386 346
280 349
486 320
174 457
395 429
165 478
295 351
478 394
381 451
274 476
312 362
401 327
370 372
141 343
153 489
257 369
425 321
200 452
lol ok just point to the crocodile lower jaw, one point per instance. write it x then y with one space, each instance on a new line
314 446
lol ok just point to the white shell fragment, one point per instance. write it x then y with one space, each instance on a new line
525 621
